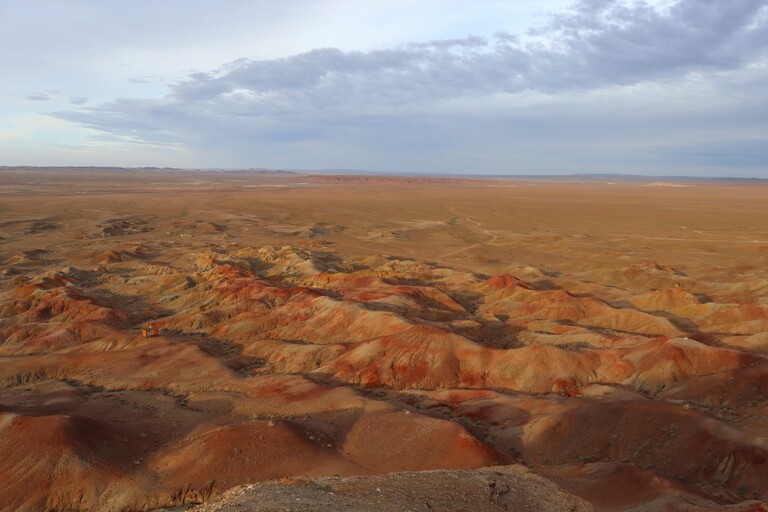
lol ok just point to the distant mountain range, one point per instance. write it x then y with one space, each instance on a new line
261 170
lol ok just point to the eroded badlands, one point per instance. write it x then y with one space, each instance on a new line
613 338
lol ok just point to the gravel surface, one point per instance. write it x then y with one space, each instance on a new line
507 488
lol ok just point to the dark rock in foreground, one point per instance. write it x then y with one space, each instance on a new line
501 488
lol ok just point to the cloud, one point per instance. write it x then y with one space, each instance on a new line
78 100
609 42
37 96
327 94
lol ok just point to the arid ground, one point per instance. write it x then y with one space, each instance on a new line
610 337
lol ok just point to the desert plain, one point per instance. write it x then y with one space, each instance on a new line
605 339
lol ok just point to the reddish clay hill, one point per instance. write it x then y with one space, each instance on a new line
276 362
619 381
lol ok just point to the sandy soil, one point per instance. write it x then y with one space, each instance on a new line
611 338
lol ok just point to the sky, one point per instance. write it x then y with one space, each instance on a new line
656 87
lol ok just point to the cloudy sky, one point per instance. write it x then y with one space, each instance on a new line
441 86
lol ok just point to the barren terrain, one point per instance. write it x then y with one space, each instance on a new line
612 337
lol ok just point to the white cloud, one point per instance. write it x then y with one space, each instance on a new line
37 96
603 84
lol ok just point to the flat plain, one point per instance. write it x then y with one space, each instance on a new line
611 337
